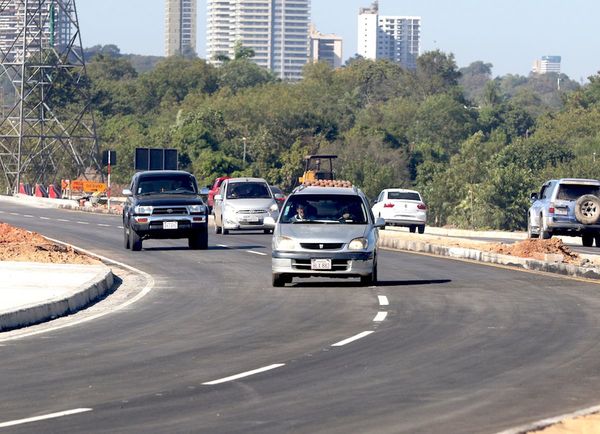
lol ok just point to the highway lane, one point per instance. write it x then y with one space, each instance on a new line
464 347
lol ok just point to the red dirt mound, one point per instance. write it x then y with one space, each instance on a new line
536 248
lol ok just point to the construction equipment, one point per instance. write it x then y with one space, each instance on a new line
316 168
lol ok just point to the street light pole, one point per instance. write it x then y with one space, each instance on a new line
244 155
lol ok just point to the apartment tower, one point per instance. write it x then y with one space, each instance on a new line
277 31
546 65
396 38
180 27
326 48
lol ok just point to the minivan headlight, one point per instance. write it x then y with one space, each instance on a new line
143 209
358 244
284 243
196 209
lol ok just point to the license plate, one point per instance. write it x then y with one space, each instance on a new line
250 219
320 264
169 225
561 211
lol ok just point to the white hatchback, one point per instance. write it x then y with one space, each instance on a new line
400 207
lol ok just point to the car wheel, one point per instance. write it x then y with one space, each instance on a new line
217 228
412 229
597 240
199 240
530 233
135 241
587 240
545 233
371 279
587 209
125 238
225 231
279 280
421 229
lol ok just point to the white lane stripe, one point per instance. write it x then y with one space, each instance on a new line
103 225
44 417
14 213
62 220
244 374
120 227
256 253
28 216
45 218
83 223
383 300
380 316
352 339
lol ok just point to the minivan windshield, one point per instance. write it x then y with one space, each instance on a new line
248 190
324 209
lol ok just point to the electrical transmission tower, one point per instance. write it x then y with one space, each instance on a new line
47 129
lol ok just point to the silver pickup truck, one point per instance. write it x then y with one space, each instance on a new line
567 206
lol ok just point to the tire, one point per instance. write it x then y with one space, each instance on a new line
587 209
597 240
279 280
412 229
530 233
225 231
545 234
199 240
587 240
217 228
421 228
125 238
371 279
135 241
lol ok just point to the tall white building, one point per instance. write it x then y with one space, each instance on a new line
396 38
547 64
277 31
180 27
326 48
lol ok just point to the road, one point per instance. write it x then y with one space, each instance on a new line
455 347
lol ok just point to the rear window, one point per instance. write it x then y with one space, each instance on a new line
574 192
321 208
404 195
248 190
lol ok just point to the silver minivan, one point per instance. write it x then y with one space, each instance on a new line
326 232
245 204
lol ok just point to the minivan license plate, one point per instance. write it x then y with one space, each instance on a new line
169 225
320 264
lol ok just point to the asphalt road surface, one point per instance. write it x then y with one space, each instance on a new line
439 346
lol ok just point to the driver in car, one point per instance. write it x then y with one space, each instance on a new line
300 213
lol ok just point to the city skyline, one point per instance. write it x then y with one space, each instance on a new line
508 35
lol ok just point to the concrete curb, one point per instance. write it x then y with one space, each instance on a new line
78 299
395 243
69 204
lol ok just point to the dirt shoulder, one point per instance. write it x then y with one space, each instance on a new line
20 245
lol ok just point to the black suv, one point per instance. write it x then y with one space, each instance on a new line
164 204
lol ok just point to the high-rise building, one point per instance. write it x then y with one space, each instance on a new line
396 38
547 64
326 48
57 27
180 27
277 31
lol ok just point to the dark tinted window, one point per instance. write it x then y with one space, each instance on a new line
403 195
248 190
166 184
325 209
574 192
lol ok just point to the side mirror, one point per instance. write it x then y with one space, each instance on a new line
534 196
127 192
380 223
218 197
204 191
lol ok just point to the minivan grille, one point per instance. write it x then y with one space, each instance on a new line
252 211
321 246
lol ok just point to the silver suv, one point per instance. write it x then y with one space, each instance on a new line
567 206
327 232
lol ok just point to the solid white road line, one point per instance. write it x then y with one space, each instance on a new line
44 417
244 374
380 316
352 339
383 300
256 253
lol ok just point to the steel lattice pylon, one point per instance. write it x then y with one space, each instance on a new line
47 131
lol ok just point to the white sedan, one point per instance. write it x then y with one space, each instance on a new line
400 207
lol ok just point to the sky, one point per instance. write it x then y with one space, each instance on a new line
509 34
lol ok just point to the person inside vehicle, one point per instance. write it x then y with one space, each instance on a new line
300 213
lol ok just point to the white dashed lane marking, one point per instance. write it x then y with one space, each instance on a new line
383 300
62 220
352 339
256 253
45 218
380 316
44 417
104 226
28 216
244 374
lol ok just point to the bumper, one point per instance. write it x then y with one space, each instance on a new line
569 227
405 221
263 222
344 264
154 226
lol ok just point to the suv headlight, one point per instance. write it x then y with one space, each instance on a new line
196 209
358 244
284 243
274 208
143 210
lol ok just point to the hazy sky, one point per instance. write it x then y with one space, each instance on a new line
510 34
